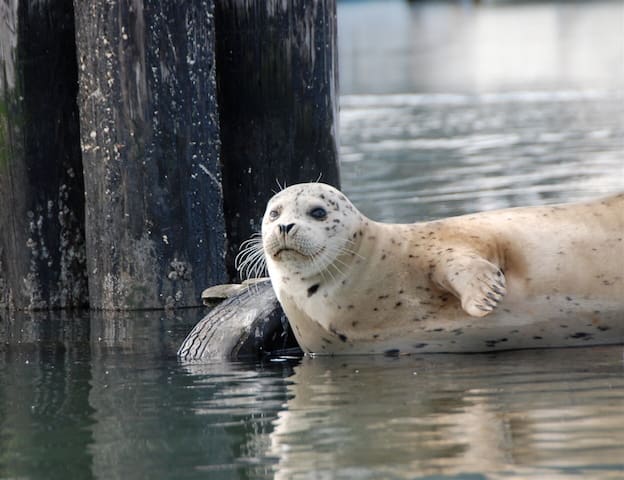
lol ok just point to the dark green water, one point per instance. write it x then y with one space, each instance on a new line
447 108
79 400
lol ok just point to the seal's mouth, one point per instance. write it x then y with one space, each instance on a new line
281 250
290 252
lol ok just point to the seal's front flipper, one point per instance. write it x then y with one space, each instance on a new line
477 282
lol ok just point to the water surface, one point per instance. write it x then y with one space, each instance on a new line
447 108
79 401
450 108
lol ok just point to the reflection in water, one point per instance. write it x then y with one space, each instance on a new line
67 379
241 401
45 416
519 414
102 395
157 421
151 331
80 400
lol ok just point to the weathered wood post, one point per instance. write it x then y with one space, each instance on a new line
149 129
155 225
277 77
42 249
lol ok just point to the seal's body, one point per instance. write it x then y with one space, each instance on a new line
514 278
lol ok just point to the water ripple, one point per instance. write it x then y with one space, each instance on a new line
454 154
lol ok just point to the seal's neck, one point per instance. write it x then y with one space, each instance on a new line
351 255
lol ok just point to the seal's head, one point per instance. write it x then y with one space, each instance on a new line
306 229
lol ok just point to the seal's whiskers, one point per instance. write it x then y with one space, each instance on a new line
335 253
351 251
319 267
250 261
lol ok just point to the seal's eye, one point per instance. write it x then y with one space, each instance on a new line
274 214
318 213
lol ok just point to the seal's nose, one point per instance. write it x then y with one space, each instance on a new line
286 228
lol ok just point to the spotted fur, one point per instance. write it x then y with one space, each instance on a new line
516 278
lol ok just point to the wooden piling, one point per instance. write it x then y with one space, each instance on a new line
42 242
277 77
148 222
149 130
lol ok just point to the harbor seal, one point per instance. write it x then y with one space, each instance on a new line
520 277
